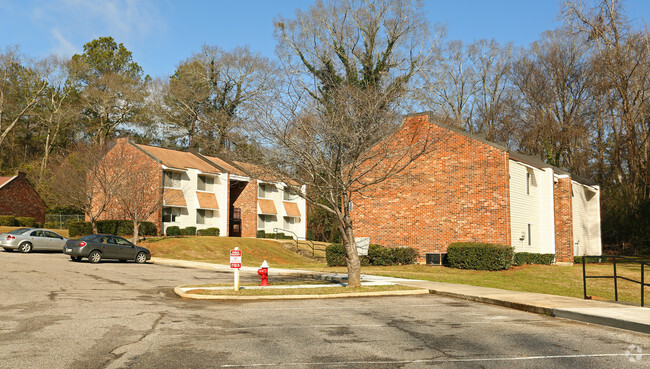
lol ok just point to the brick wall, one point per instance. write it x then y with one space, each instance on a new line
457 191
246 200
142 169
563 220
19 198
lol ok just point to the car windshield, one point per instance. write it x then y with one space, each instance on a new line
19 231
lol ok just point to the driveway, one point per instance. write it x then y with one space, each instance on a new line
55 313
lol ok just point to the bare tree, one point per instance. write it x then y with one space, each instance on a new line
214 91
349 65
553 80
20 89
623 81
80 181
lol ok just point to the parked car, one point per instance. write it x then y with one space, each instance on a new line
28 239
96 247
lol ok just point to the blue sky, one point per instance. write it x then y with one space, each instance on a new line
162 33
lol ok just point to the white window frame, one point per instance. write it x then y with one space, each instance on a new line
175 213
207 182
204 216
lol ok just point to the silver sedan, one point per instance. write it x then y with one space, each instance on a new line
28 239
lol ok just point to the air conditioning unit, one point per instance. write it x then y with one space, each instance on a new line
436 258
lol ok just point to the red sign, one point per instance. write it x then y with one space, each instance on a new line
235 259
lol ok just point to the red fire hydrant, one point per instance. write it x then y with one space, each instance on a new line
263 272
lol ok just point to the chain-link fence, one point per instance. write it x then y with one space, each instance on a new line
58 221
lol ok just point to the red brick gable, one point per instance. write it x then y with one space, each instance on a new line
457 191
19 198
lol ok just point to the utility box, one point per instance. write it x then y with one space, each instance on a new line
436 258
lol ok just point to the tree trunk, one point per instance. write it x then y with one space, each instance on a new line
93 224
352 256
136 225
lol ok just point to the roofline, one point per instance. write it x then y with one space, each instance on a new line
523 158
10 179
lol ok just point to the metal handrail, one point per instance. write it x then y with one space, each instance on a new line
616 277
275 230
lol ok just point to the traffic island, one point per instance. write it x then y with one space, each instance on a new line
295 292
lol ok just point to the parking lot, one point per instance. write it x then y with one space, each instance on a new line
60 314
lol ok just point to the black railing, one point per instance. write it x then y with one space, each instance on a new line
616 277
296 238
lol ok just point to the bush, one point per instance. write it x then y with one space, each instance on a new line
522 258
335 255
310 235
480 256
261 234
79 229
208 232
115 227
173 231
189 231
590 259
8 220
377 255
26 221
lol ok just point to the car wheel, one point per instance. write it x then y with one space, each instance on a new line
95 256
8 249
25 247
141 258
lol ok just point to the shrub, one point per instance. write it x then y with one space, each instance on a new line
208 232
377 255
188 231
522 258
173 231
26 221
590 259
335 255
261 234
79 229
8 220
480 256
310 235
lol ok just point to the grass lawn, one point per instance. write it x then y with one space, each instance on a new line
548 279
211 249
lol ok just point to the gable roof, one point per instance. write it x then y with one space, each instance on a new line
5 180
227 165
179 159
527 159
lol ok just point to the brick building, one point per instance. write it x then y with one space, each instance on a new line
465 188
209 192
19 198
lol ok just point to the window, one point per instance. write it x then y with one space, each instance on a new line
289 222
170 215
205 183
290 194
265 219
172 180
203 216
262 190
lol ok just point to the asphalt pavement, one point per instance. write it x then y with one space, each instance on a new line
611 314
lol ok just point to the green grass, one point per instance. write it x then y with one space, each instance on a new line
217 250
301 291
548 279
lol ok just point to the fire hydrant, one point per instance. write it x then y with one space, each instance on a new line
263 272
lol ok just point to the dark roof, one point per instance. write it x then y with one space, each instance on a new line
527 159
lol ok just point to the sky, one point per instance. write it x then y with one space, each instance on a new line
163 33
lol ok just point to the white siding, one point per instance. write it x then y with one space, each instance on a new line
268 223
586 219
188 216
531 207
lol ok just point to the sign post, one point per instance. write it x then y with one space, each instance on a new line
235 263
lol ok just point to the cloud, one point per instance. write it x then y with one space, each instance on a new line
64 46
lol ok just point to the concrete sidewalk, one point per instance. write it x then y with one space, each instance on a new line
610 314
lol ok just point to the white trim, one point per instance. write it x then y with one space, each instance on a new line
239 178
172 169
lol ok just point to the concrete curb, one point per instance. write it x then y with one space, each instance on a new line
594 317
195 296
487 300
